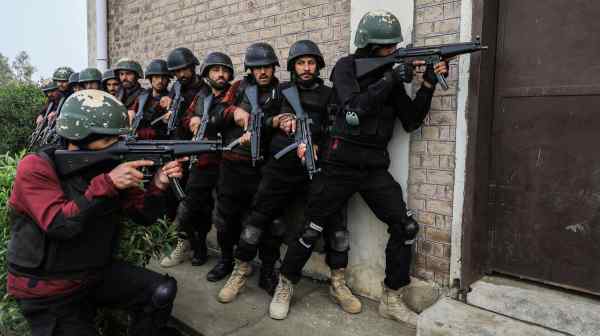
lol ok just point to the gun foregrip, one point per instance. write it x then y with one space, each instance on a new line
177 189
442 81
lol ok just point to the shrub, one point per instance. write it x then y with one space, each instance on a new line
138 245
19 105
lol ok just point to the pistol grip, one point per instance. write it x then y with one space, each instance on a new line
442 81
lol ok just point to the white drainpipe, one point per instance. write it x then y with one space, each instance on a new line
101 36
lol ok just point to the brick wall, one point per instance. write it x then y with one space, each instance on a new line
148 29
431 176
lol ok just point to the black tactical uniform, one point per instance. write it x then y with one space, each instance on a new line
180 58
286 179
147 106
239 179
356 160
194 214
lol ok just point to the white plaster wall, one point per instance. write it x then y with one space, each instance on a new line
368 235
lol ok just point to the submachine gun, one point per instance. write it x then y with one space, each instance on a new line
175 109
256 121
430 54
38 133
158 151
302 134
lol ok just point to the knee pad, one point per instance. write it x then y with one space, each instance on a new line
164 293
310 235
251 235
411 229
339 241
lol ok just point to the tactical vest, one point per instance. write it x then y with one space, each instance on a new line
376 127
31 252
270 101
132 96
214 111
315 103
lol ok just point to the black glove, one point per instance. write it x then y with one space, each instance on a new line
401 73
430 76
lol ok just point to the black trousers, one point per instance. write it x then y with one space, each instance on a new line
194 214
382 194
283 181
120 285
238 183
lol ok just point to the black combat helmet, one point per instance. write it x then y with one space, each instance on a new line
260 54
109 74
180 58
216 58
74 78
157 67
304 48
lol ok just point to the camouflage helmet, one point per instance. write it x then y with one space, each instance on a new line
378 27
48 85
130 65
109 74
180 58
90 75
217 58
157 67
74 78
62 74
88 112
260 54
304 48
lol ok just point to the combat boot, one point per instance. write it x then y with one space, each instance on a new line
341 294
236 282
200 256
268 279
179 254
222 269
280 304
392 306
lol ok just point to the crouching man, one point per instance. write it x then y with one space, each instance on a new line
64 230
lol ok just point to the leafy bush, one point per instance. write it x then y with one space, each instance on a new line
11 321
138 245
19 105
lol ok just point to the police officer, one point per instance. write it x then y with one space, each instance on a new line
239 179
182 62
284 179
146 108
194 214
356 160
110 82
53 96
74 82
61 77
64 230
90 78
129 72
